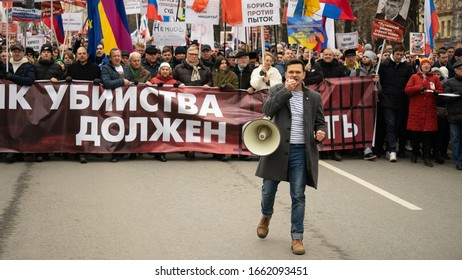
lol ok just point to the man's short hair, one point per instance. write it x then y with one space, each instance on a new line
295 62
441 51
399 48
167 49
113 50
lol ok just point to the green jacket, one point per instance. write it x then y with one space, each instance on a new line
227 77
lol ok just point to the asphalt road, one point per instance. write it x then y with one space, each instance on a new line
205 209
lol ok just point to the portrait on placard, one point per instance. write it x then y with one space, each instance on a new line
417 43
393 10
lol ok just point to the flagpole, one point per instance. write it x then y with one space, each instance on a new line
7 41
224 40
66 35
262 39
52 24
138 33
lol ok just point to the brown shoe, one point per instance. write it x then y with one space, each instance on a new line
297 247
262 228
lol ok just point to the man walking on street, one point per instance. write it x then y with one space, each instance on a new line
298 113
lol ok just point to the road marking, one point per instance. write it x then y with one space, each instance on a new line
370 186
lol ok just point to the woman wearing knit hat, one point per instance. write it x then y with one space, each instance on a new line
423 88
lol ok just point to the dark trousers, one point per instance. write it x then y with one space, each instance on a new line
426 139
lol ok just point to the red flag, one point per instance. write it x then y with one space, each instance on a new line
231 11
199 5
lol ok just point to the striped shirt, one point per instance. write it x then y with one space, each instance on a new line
296 107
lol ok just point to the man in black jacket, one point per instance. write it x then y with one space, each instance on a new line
243 71
454 106
83 69
46 68
394 73
331 68
312 68
20 72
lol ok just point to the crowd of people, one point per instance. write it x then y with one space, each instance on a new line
412 115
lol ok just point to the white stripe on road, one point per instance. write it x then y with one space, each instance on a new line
370 186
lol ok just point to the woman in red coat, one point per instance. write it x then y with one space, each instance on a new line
423 88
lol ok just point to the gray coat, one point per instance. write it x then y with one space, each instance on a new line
275 166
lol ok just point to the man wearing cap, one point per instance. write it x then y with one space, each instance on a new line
454 106
126 57
456 57
350 62
366 68
243 71
180 54
206 56
21 72
150 62
45 68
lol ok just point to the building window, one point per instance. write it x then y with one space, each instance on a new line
449 26
442 29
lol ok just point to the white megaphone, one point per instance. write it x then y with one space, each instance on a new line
261 137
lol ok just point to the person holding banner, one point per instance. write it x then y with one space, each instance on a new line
20 72
191 72
298 113
243 71
83 69
367 68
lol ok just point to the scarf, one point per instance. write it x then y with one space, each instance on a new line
195 76
16 64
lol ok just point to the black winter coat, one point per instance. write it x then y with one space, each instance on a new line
315 75
333 69
393 80
24 75
46 69
182 73
244 76
87 72
277 106
454 104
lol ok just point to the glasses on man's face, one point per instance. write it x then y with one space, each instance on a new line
193 54
99 48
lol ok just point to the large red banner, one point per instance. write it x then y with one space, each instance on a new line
83 117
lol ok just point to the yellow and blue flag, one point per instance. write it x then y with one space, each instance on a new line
108 24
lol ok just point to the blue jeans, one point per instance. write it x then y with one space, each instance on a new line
393 123
297 177
456 142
